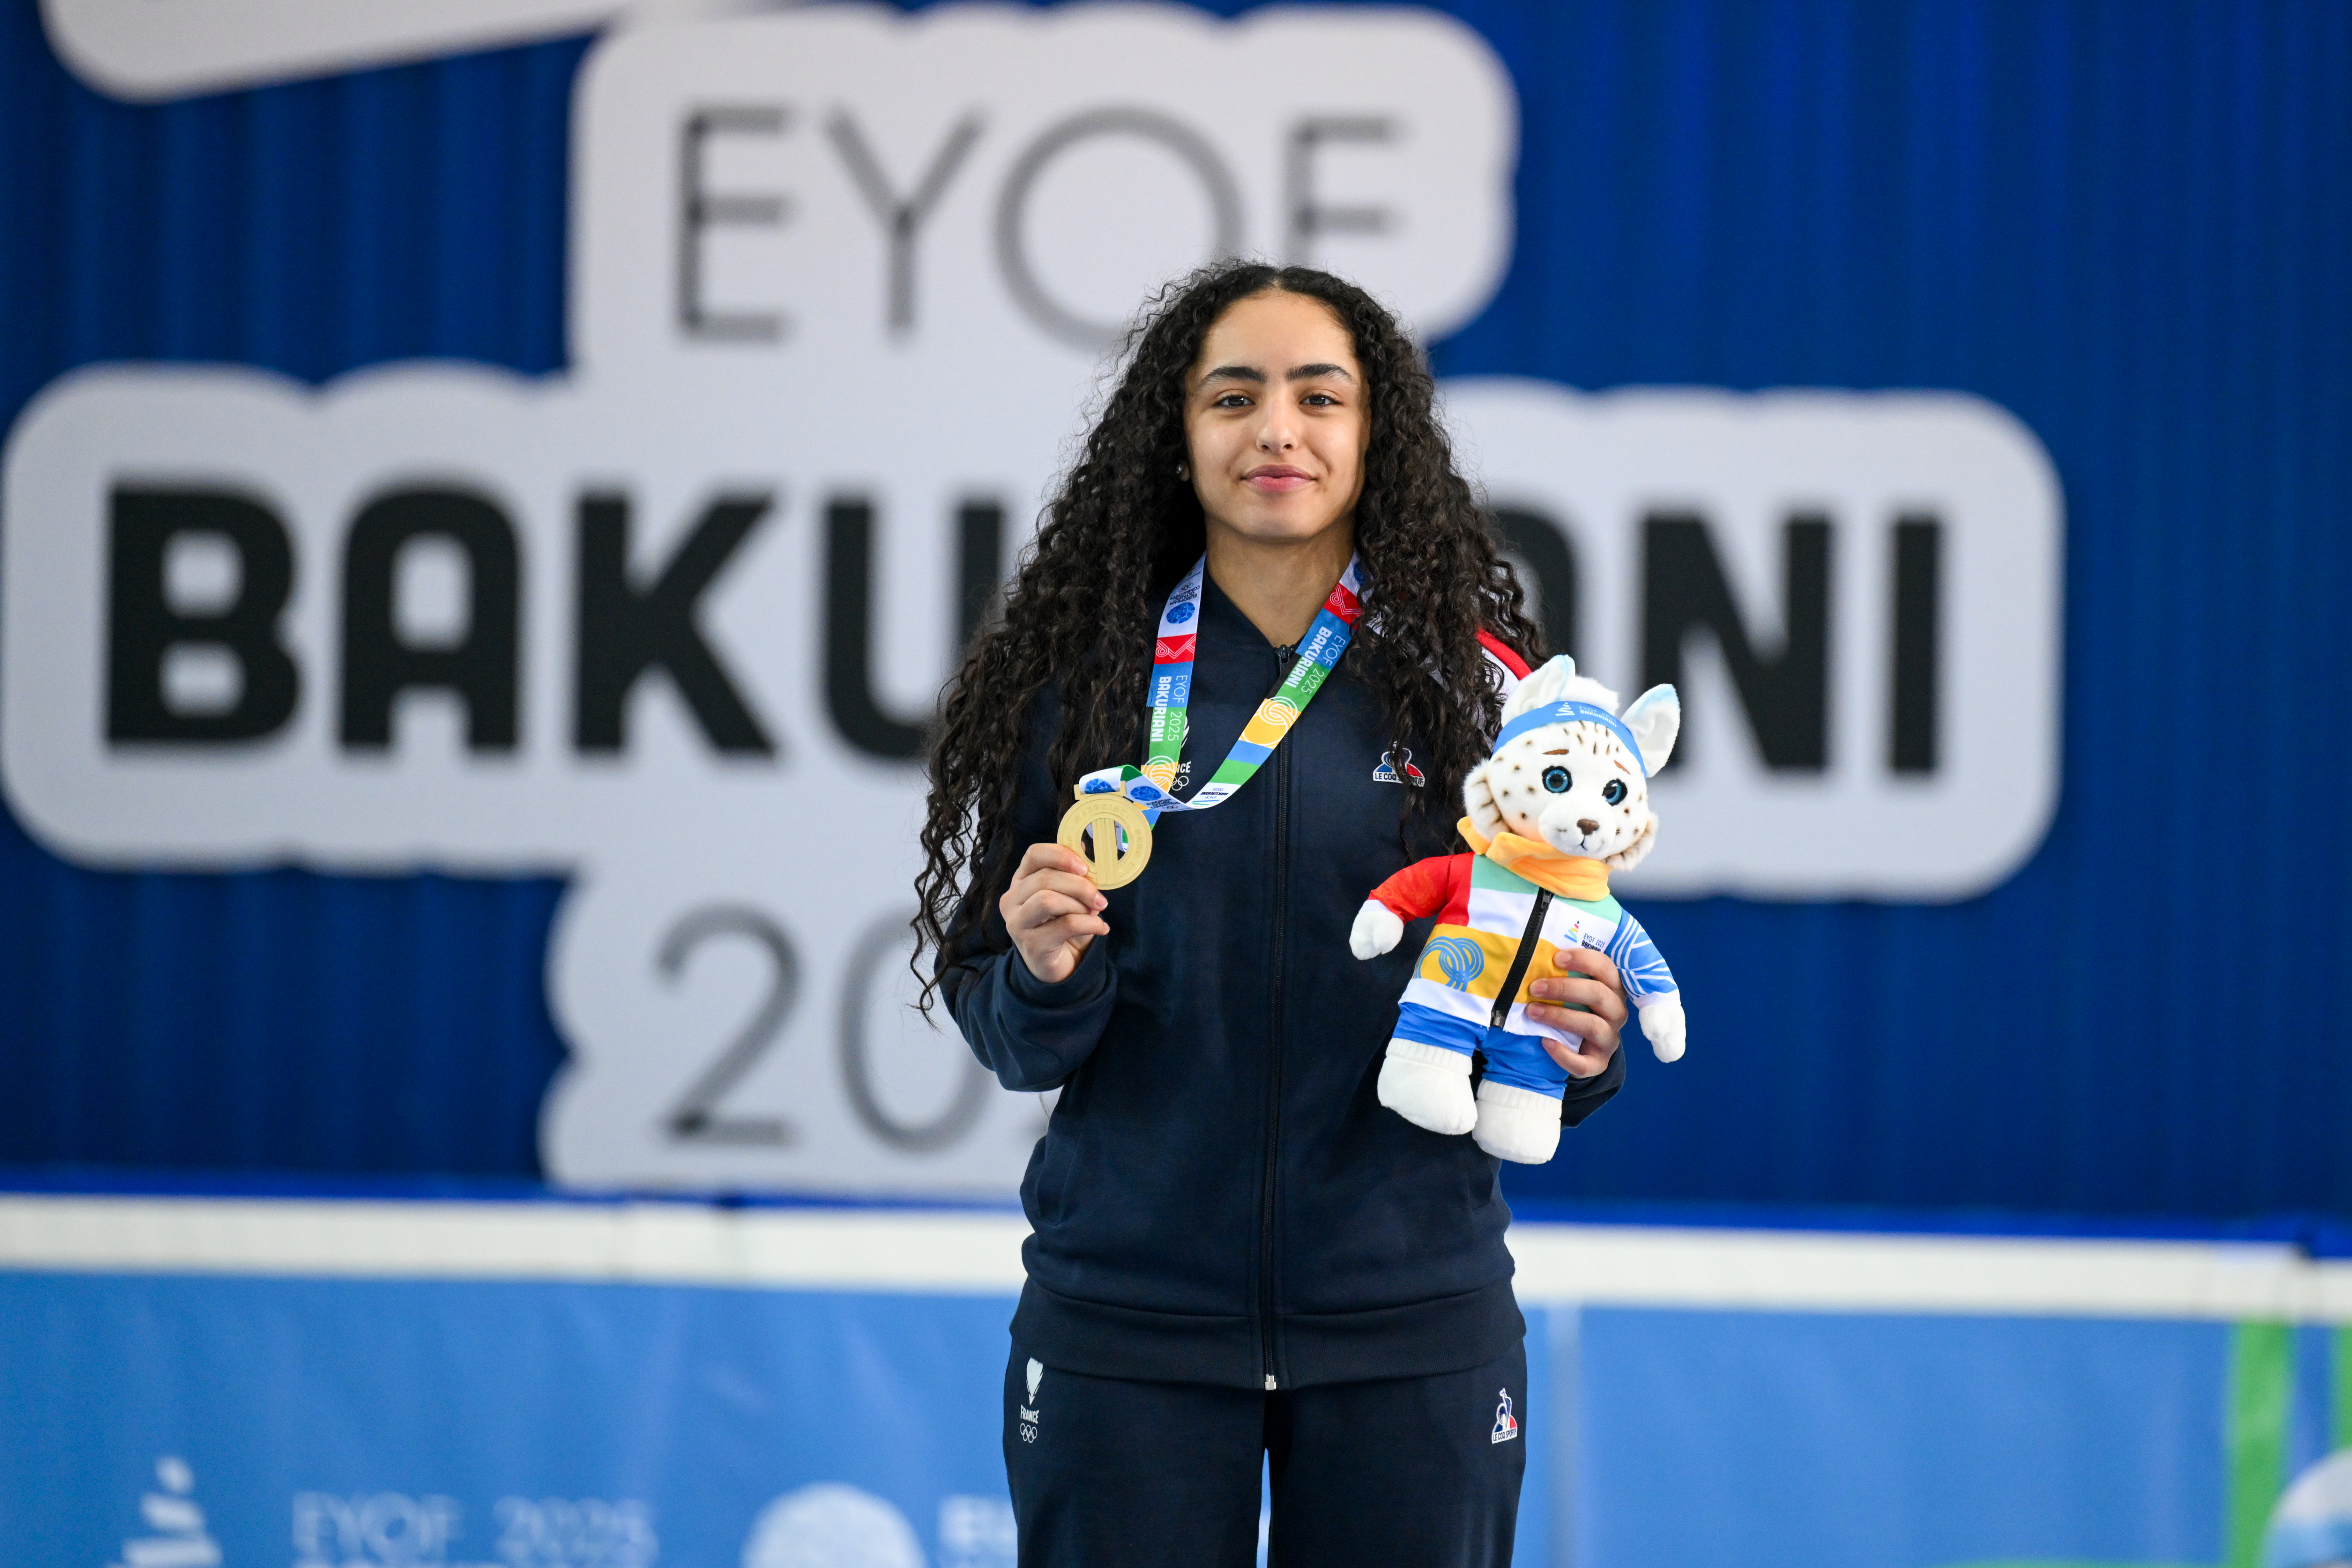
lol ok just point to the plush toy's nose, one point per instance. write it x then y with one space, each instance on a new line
1586 824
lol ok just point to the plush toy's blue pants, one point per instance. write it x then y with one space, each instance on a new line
1406 1472
1519 1060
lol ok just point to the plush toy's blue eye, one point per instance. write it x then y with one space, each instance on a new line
1556 780
1615 791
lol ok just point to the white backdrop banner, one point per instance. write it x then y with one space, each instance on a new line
139 49
843 283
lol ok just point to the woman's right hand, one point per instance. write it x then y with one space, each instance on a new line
1053 910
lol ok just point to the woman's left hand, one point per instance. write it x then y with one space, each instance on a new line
1596 988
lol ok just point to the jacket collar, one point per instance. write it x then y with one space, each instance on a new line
1222 620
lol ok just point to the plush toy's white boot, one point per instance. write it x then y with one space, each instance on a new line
1429 1086
1517 1124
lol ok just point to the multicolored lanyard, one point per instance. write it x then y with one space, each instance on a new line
1172 697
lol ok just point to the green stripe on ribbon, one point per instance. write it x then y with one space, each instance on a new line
2261 1396
2340 1393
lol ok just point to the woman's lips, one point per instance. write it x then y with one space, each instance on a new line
1276 480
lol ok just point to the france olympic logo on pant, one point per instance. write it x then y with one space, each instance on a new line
1507 1426
1029 1415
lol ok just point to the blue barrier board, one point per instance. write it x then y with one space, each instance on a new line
174 1421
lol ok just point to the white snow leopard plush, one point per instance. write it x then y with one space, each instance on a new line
1563 800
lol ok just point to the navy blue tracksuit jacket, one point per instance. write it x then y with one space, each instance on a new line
1219 1197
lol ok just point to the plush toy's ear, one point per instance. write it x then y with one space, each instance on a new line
1655 718
1541 688
1479 801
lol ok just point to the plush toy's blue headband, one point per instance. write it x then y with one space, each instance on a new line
1572 713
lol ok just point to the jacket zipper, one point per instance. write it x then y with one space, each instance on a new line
1283 657
1520 960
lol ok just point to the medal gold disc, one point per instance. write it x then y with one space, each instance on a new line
1111 835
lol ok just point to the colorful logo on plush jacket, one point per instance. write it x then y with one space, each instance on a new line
1459 959
1396 767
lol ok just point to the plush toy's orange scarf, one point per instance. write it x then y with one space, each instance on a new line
1570 876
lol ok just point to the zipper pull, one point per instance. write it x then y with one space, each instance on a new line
1269 1382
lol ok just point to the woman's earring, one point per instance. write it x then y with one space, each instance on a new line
1183 471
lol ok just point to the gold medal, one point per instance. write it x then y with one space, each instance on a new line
1111 835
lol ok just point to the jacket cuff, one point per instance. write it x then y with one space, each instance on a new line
1586 1095
1085 984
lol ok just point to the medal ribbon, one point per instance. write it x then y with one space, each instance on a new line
1172 697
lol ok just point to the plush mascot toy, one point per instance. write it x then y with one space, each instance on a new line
1564 801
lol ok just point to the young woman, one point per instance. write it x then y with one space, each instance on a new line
1238 1255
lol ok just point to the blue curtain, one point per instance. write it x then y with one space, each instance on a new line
2129 224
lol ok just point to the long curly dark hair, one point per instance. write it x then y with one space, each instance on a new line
1123 527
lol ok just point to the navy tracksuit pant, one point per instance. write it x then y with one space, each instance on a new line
1411 1472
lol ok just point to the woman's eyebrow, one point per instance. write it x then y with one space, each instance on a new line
1257 377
